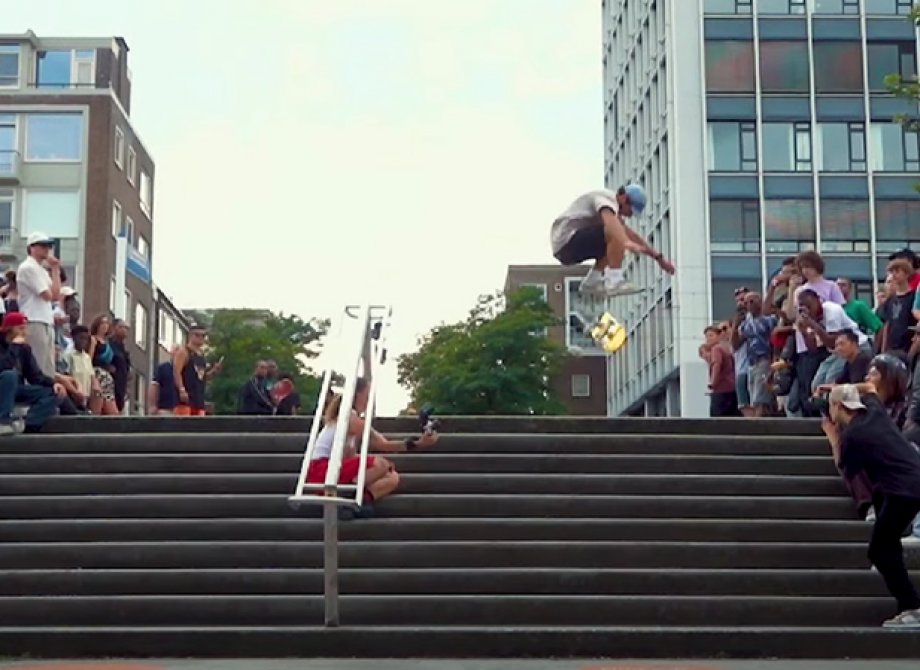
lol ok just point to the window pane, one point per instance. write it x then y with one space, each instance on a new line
778 152
734 225
146 192
844 220
888 6
56 213
9 64
835 6
781 7
140 325
54 68
6 215
888 143
895 220
890 58
728 273
784 66
838 67
730 66
789 220
834 154
727 6
54 137
724 146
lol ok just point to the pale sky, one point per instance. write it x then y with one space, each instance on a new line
312 153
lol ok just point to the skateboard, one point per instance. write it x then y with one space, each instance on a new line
607 332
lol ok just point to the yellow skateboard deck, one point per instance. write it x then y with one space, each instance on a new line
609 333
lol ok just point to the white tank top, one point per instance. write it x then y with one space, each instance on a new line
324 441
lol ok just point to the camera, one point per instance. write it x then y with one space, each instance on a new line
427 421
822 404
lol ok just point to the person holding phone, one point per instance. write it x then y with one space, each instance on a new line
191 373
38 289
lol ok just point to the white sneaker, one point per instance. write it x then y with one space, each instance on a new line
620 287
870 515
592 284
905 620
6 430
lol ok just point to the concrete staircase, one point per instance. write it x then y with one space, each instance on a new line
514 537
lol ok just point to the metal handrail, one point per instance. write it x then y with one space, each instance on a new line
370 353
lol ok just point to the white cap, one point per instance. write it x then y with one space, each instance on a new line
67 291
848 396
39 238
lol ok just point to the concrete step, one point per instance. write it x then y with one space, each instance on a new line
231 506
482 483
449 528
484 443
432 462
432 581
449 424
430 554
403 610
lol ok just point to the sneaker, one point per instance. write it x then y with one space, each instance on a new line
870 516
909 620
593 283
621 287
7 430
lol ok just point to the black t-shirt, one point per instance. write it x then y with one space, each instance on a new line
873 443
288 404
193 377
855 371
169 395
896 313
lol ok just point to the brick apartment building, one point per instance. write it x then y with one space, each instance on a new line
73 166
582 384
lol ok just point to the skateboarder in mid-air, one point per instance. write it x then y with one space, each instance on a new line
592 228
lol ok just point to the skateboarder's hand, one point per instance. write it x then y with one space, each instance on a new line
666 265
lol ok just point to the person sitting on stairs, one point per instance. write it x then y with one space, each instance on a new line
381 478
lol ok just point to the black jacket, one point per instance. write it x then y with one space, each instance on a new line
19 357
254 399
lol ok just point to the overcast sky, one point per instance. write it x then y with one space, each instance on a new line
311 153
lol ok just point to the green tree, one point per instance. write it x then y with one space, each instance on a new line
242 337
497 361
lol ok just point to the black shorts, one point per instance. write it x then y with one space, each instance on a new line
586 244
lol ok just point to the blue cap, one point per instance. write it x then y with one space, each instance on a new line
636 195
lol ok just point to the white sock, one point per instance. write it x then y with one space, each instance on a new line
613 274
593 275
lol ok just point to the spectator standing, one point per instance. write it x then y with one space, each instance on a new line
71 305
285 396
912 424
10 292
897 309
101 354
37 291
740 349
723 400
163 396
191 373
858 310
914 260
755 330
255 399
121 362
21 379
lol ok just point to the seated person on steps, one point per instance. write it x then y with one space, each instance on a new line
381 478
22 381
592 228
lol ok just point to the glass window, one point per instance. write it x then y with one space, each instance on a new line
119 147
887 58
54 68
781 7
54 137
580 306
789 225
888 6
143 248
56 213
786 147
581 386
9 65
734 225
116 219
132 166
146 192
730 66
838 67
834 6
844 225
129 230
842 147
7 143
894 148
727 6
732 146
6 216
728 273
896 221
784 67
140 325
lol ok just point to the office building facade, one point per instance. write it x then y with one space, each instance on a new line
73 166
761 128
582 384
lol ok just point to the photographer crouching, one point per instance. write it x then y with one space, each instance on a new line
864 438
381 478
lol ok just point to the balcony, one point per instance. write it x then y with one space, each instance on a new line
10 166
6 241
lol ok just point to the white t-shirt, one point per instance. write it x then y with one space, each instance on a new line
583 213
32 279
836 320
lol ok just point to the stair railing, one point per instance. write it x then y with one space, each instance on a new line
364 356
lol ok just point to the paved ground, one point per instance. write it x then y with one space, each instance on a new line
455 665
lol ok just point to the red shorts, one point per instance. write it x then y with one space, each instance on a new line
347 474
186 410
